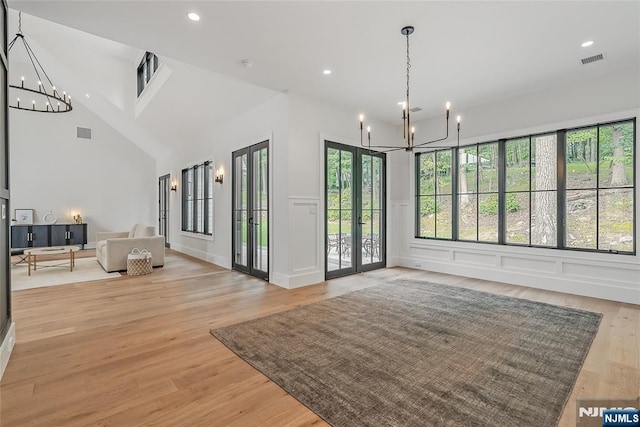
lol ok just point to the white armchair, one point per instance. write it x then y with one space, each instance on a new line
112 248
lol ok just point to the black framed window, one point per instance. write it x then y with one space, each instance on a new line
531 190
600 202
478 193
434 199
568 189
147 68
197 199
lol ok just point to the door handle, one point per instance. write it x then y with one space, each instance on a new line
250 220
360 221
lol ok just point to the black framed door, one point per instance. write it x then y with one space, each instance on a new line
5 209
250 240
164 186
355 211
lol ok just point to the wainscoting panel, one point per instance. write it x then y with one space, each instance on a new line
431 253
305 242
532 264
614 273
474 258
554 271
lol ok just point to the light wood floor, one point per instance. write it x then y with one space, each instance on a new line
137 350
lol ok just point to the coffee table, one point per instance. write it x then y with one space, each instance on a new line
32 255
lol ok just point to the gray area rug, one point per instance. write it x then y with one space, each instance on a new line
413 353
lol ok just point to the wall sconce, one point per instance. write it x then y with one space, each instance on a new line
219 176
174 186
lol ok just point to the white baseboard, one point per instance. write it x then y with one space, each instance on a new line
7 347
551 281
224 262
395 261
299 280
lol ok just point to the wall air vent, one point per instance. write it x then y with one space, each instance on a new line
415 109
594 58
84 133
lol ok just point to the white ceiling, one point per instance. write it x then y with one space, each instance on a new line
469 53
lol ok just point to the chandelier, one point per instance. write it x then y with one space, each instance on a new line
408 131
49 99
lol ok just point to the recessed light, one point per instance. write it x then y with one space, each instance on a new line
193 16
587 43
326 72
87 95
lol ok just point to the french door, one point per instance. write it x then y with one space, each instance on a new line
250 242
163 207
355 212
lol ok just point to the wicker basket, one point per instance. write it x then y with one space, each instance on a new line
139 262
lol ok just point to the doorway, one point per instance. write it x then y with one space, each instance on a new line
164 185
355 211
250 241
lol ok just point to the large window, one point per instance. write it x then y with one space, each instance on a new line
569 189
478 193
531 194
197 199
434 197
600 187
147 68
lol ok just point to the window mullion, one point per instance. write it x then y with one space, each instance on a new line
561 186
455 168
502 174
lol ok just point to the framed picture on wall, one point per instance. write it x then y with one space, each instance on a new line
24 216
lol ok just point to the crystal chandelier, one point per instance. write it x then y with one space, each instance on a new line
50 100
408 131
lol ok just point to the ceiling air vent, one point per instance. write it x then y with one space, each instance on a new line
594 58
415 109
84 133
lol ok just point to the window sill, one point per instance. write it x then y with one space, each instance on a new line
197 236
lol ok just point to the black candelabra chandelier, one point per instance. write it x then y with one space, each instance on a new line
50 100
408 131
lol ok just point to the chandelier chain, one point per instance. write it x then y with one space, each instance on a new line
19 22
408 67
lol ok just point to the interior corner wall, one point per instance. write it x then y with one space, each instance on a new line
107 179
266 121
311 123
578 103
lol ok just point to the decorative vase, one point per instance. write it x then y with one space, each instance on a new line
49 218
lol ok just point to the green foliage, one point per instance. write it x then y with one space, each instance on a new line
489 204
582 144
428 206
512 204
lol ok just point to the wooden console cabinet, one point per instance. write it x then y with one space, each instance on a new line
43 235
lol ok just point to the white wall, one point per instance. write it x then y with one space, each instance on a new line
310 124
266 121
581 102
298 127
108 179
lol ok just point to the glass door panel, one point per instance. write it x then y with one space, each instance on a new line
355 216
240 217
260 211
163 207
371 210
251 210
339 238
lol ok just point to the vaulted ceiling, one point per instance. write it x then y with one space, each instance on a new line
469 53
